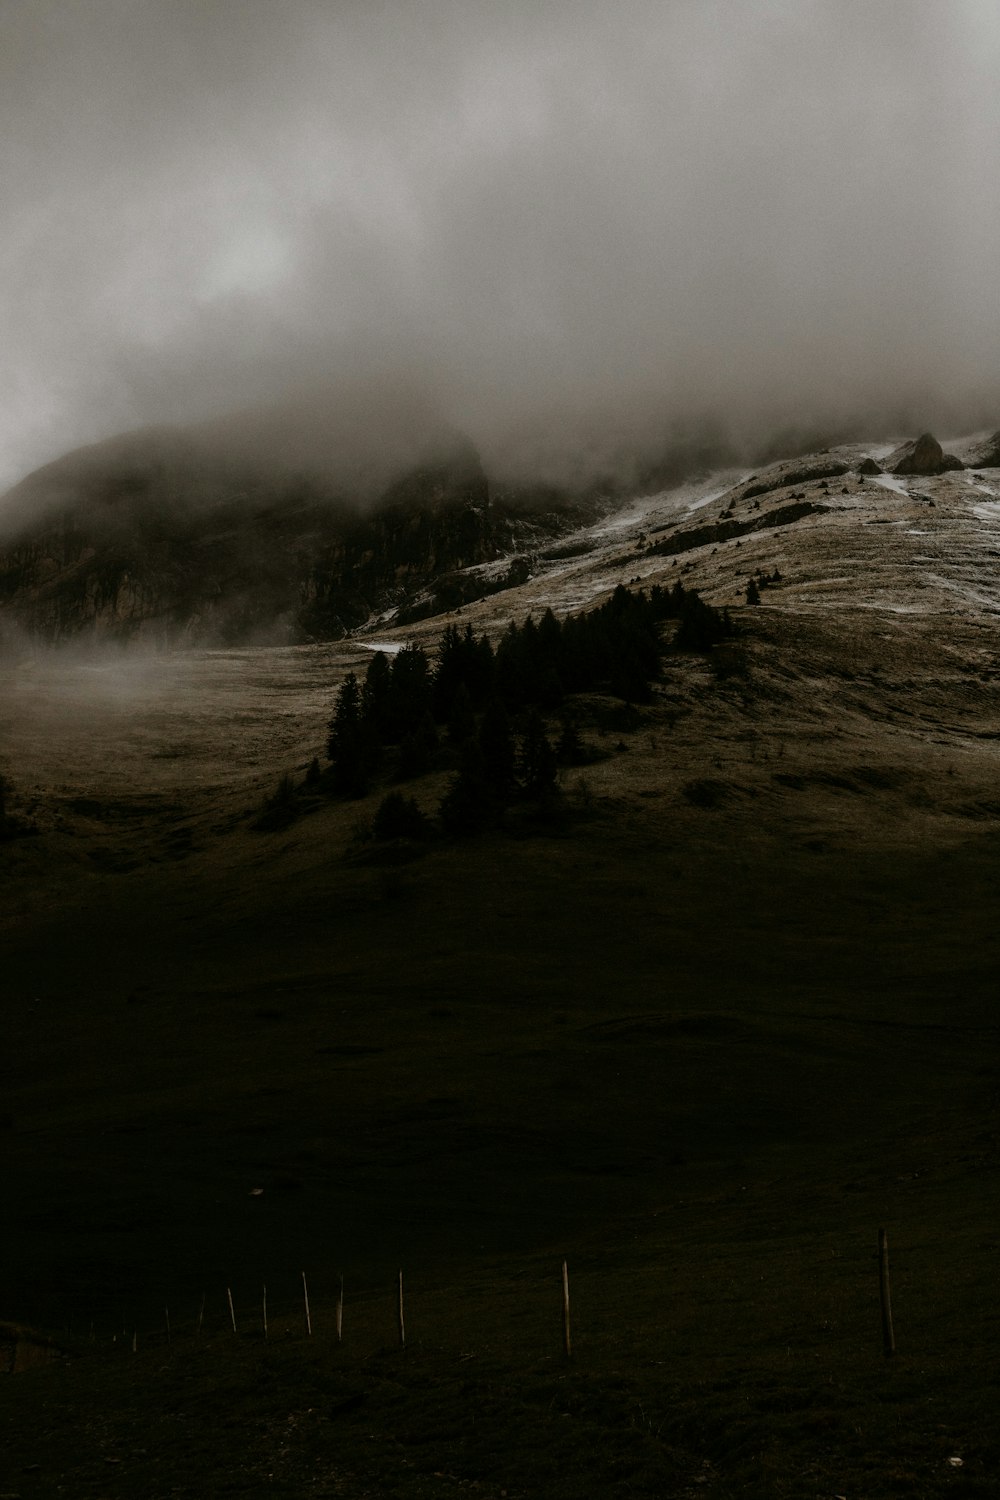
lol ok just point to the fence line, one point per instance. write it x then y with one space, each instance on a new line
169 1328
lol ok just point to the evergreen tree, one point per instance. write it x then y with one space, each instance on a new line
346 721
701 626
345 744
481 669
399 817
620 601
570 749
461 721
753 591
509 678
550 692
529 658
448 673
468 806
462 661
549 644
376 698
538 759
576 660
411 691
418 749
496 745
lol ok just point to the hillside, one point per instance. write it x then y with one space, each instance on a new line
702 1035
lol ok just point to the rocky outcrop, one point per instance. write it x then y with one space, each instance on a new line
868 466
924 455
793 471
725 531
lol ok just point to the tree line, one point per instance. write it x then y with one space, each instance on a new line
481 709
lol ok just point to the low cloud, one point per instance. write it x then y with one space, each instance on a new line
565 227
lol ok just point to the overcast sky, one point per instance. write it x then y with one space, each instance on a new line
546 214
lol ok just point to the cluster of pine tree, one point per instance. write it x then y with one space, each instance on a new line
761 580
482 706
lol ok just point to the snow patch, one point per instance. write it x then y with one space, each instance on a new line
707 499
892 482
895 609
989 602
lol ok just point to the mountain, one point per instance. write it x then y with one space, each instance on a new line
227 534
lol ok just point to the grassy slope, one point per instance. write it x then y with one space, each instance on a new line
703 1041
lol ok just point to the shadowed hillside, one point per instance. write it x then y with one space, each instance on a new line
702 1032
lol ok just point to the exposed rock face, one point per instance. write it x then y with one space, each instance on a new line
433 521
869 466
792 471
703 536
156 537
924 455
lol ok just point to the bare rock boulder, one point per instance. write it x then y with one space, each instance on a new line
924 455
869 466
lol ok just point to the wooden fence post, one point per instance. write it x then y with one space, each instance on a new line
888 1337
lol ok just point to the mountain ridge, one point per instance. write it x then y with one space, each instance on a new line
247 531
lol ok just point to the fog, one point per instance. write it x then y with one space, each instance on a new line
568 228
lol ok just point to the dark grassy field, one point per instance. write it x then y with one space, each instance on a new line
703 1059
